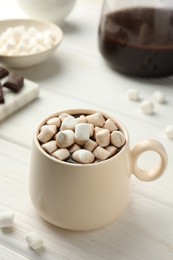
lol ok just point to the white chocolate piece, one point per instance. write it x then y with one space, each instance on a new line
90 145
50 147
46 133
54 121
103 137
112 149
169 131
68 123
34 240
96 119
15 101
82 132
159 97
101 154
133 94
83 156
117 139
61 154
81 119
147 107
65 138
110 125
6 219
74 148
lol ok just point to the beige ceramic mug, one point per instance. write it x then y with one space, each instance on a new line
85 197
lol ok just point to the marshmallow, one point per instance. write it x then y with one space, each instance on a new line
90 145
147 107
103 137
169 131
112 149
63 116
61 154
110 125
23 41
159 97
96 129
91 130
117 139
83 156
82 132
65 138
74 148
54 121
6 219
46 133
81 119
34 240
101 154
68 123
96 119
133 94
50 146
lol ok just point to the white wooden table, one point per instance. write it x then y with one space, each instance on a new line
77 77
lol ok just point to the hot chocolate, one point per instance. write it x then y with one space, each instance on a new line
138 41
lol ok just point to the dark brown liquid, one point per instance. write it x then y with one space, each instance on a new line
138 41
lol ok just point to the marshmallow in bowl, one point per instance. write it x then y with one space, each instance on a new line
22 40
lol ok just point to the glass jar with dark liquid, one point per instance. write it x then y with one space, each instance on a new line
136 36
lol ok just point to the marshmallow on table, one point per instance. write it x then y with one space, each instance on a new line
83 156
147 107
169 131
15 101
159 97
6 219
133 94
34 240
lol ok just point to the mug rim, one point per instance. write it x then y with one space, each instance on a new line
78 111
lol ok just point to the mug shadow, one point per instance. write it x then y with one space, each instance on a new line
112 241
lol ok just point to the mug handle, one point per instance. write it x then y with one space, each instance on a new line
156 171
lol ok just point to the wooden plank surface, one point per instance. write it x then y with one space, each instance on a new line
78 77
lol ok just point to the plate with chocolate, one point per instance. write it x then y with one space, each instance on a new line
27 42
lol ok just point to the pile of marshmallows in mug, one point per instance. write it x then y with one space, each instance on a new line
81 139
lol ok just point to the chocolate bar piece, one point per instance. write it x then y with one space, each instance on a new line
14 83
15 101
2 101
3 72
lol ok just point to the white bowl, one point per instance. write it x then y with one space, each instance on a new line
52 10
29 60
